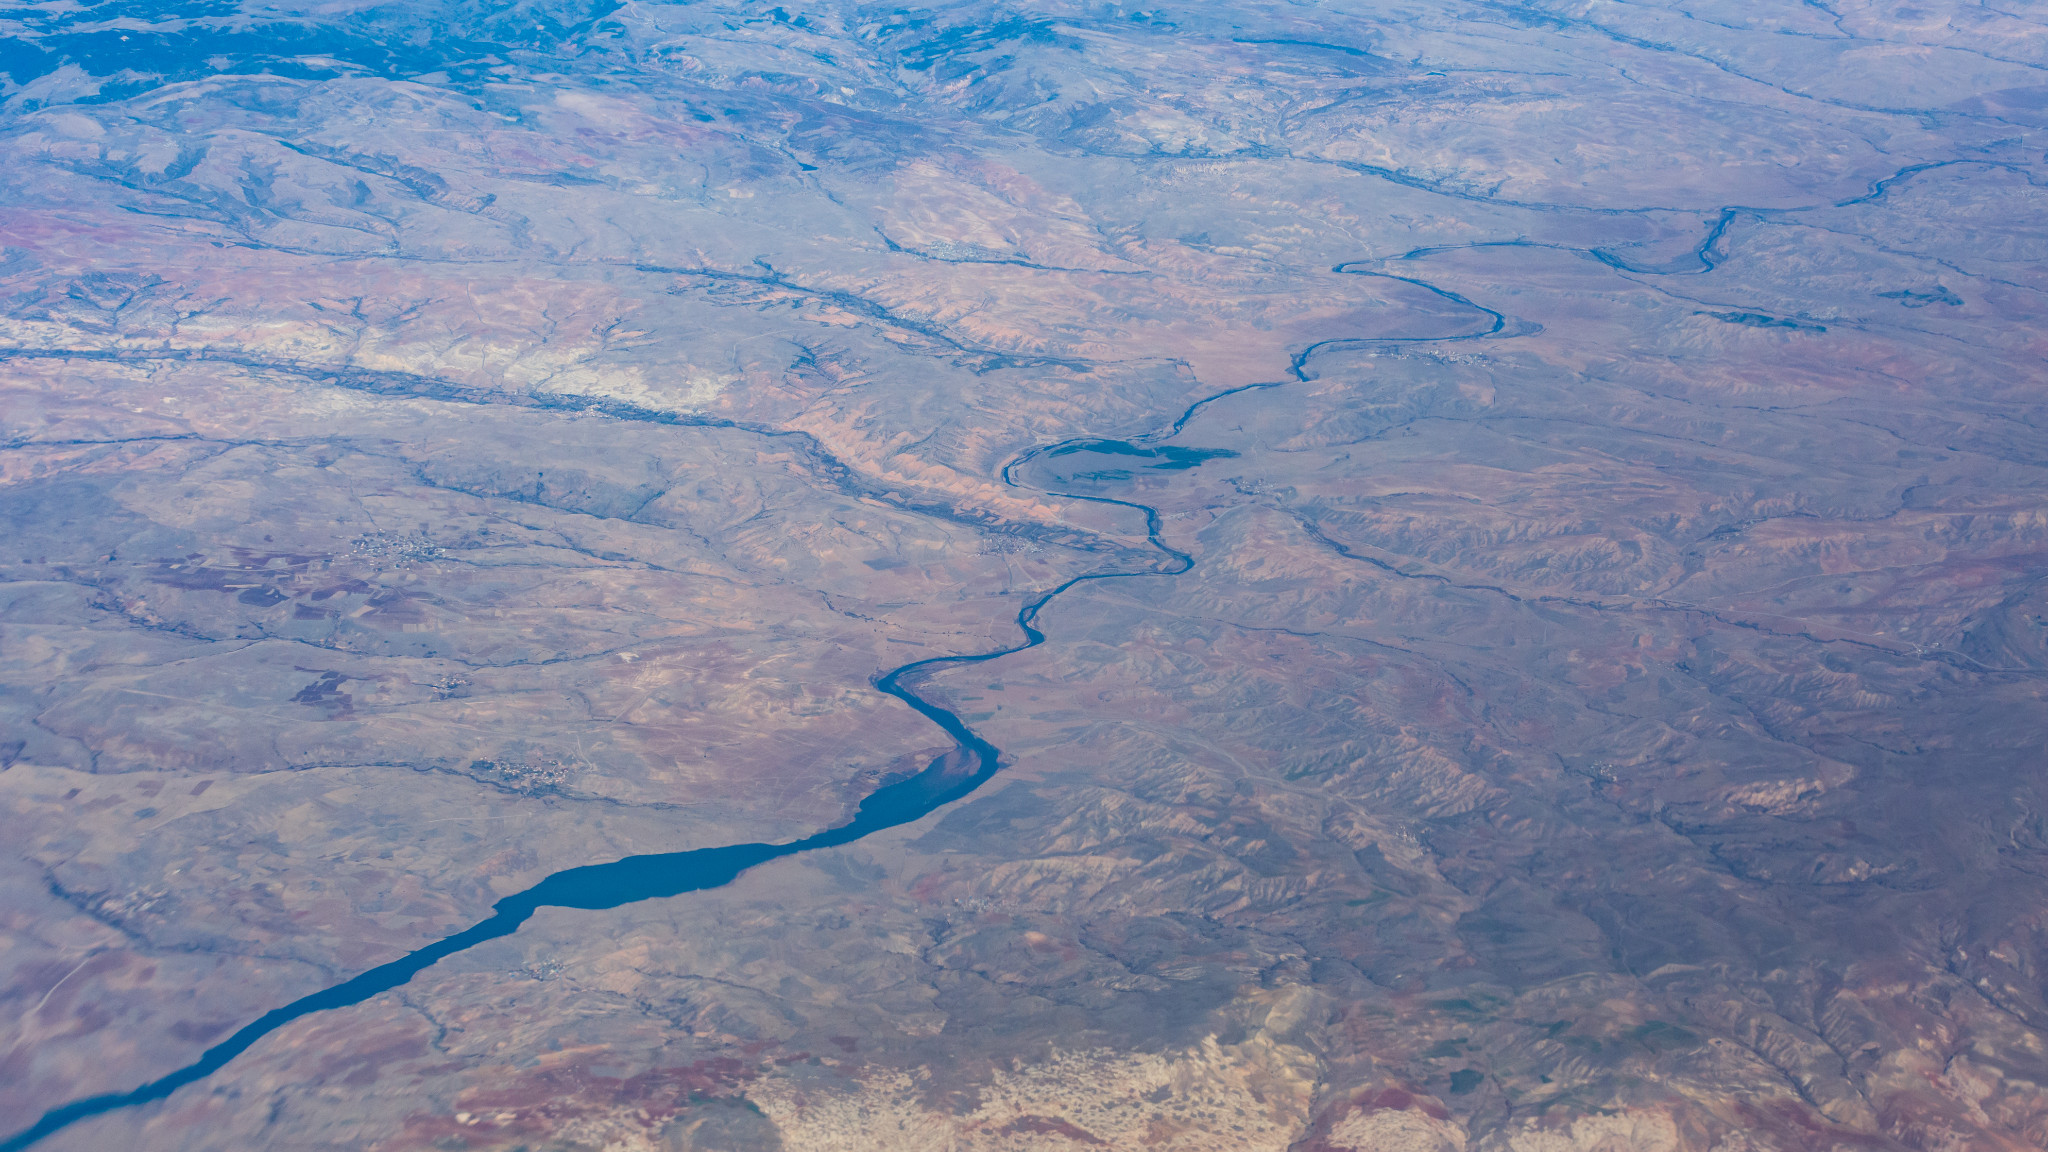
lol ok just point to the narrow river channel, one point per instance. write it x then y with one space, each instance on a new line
1081 462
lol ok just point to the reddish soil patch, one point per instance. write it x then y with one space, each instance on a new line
1047 1126
535 1102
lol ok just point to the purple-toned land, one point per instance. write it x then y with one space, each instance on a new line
1536 516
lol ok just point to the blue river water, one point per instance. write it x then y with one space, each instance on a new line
1082 462
635 878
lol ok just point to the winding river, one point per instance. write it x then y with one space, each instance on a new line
947 778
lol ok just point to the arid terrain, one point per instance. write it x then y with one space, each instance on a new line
1511 541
